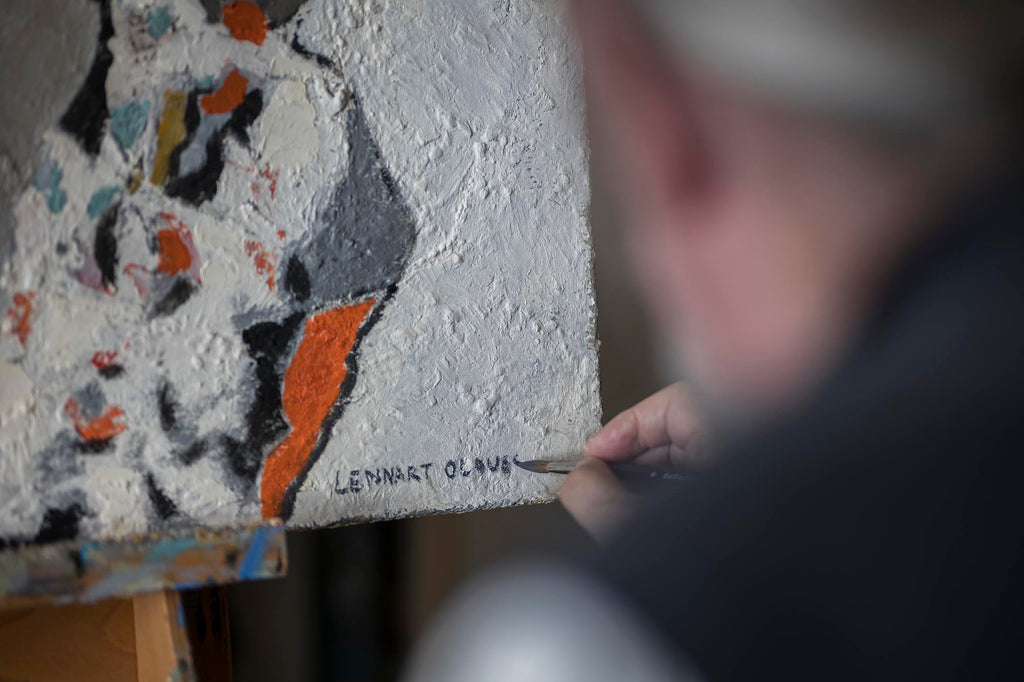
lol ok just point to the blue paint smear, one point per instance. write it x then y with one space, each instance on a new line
159 22
85 554
168 550
181 614
100 200
252 563
127 122
47 181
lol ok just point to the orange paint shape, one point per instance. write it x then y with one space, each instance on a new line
263 260
177 250
174 255
230 94
103 427
20 314
246 21
312 384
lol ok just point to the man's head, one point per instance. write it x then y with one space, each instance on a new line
773 158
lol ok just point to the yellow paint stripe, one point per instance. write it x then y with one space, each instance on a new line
170 134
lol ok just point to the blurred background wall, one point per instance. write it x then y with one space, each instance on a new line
357 597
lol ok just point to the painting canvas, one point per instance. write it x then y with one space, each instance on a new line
322 260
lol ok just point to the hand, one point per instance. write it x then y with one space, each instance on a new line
659 431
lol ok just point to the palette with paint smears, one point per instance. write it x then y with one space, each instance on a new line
297 260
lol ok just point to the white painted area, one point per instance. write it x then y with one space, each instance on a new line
487 349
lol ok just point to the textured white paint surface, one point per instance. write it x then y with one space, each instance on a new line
484 353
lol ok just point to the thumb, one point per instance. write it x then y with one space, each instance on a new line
597 499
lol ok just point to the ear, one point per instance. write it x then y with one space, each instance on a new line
641 105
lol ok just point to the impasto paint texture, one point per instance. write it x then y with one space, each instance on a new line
326 261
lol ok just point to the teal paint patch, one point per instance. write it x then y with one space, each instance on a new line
47 181
127 122
159 22
100 200
205 83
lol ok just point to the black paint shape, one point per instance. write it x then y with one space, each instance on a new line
86 117
95 446
212 8
268 344
389 182
192 119
180 292
193 453
200 185
296 279
60 524
163 505
104 247
243 460
192 115
167 406
111 371
245 114
352 369
306 53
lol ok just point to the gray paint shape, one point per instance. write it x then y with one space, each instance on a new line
46 49
277 11
366 231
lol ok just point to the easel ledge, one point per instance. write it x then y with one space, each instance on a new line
160 615
70 572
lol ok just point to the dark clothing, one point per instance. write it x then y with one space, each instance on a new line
878 534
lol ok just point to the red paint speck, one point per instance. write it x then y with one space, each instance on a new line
20 313
264 261
104 358
246 21
281 235
269 179
272 177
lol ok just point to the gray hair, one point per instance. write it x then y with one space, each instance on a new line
906 63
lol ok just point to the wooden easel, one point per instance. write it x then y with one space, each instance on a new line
147 609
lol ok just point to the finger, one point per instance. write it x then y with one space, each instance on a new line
696 454
667 418
596 499
662 456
